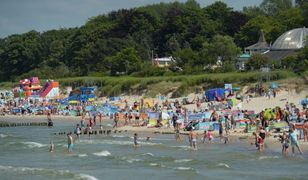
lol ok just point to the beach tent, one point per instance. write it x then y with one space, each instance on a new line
215 94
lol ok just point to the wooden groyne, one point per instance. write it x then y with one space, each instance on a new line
15 124
95 132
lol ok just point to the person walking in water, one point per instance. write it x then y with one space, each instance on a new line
69 142
294 140
136 140
193 138
51 147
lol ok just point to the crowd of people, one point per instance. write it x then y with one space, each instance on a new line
222 113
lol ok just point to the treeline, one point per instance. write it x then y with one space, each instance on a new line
124 41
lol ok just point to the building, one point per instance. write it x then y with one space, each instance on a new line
242 60
289 43
163 62
260 47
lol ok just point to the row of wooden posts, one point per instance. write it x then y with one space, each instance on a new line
14 124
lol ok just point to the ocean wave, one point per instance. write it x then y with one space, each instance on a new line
85 177
113 142
102 153
34 144
47 172
3 135
133 160
82 155
182 147
148 154
182 160
119 136
268 157
223 165
184 168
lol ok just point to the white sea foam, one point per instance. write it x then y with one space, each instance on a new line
154 164
182 147
82 155
148 154
118 136
182 160
3 135
102 153
47 172
184 168
223 165
133 160
85 177
34 144
268 157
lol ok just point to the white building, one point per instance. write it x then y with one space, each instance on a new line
163 62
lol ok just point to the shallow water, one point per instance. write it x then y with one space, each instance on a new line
25 155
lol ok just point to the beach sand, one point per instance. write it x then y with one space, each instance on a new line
257 104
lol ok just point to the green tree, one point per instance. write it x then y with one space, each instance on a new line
273 7
126 61
224 48
249 33
258 61
185 57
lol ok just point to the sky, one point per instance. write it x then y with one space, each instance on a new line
20 16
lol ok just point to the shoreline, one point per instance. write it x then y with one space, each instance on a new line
237 134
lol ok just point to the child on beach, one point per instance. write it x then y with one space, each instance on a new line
210 136
284 139
256 140
204 136
177 135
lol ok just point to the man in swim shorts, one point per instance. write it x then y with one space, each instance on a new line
193 137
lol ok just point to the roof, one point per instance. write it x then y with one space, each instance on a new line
245 56
169 59
278 55
293 39
260 45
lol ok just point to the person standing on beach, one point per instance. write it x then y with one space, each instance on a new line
49 121
69 142
116 119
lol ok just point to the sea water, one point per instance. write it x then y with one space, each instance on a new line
24 154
